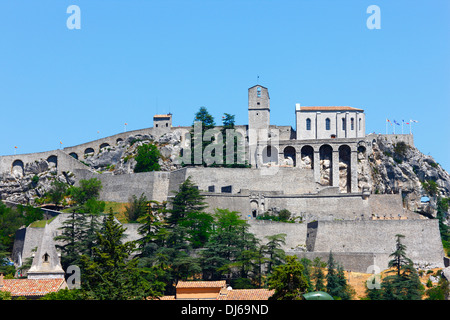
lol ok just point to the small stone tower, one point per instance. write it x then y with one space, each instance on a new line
258 118
46 262
162 123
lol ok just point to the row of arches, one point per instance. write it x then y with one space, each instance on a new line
332 165
18 166
91 151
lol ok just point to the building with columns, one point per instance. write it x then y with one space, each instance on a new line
327 140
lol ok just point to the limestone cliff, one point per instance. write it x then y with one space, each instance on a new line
393 167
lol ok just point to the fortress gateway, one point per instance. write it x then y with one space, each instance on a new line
319 171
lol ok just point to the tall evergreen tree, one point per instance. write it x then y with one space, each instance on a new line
332 278
318 274
110 274
288 280
404 282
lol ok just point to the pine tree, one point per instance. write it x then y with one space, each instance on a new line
404 283
186 220
318 275
332 278
274 252
288 280
70 239
110 274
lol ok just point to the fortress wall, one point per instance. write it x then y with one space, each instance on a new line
354 261
422 238
287 180
6 162
317 207
120 188
393 138
237 203
386 204
295 232
111 140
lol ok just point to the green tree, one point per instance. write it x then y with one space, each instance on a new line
198 137
69 240
57 192
288 280
136 208
110 274
186 219
404 283
205 118
64 294
226 244
88 189
442 206
10 221
275 254
147 158
333 286
318 274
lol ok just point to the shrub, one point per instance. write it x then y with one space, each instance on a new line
147 158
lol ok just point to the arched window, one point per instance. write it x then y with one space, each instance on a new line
359 124
352 123
327 124
258 92
308 124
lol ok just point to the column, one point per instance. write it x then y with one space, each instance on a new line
354 169
316 166
335 168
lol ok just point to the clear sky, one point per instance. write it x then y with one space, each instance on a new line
133 58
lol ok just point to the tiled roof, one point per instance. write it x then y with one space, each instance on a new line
32 287
201 284
247 294
332 108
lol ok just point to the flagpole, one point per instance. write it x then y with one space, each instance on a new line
402 125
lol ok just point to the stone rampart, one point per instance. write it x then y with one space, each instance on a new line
422 238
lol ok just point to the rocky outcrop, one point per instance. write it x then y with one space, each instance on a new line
120 159
33 183
397 166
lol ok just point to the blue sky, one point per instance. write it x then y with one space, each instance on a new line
132 59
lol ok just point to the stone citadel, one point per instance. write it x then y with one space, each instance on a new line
319 171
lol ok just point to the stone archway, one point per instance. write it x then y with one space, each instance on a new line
307 157
104 145
17 168
290 156
88 152
254 208
345 174
326 165
53 161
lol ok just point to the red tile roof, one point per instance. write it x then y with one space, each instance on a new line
247 294
201 284
224 294
332 108
32 287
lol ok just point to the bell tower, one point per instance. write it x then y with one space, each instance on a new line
258 118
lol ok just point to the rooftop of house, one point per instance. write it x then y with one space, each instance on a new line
31 287
193 290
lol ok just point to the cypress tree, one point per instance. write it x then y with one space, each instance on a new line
332 278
